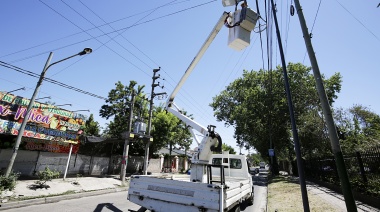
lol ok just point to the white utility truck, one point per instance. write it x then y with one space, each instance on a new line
218 182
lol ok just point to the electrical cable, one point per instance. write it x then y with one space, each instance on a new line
114 31
311 32
121 33
32 74
72 35
103 44
287 27
261 41
361 23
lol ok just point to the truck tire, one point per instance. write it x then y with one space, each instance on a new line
250 199
236 208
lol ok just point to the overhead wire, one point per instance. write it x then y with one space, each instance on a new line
49 94
151 20
102 44
148 21
75 34
32 74
287 28
144 54
361 23
261 40
114 31
311 31
121 34
167 15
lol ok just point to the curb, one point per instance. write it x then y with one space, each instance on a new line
45 200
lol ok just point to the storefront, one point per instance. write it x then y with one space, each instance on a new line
49 128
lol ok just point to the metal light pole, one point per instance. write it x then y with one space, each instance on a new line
30 106
334 140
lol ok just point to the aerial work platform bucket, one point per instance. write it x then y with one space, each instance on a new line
244 21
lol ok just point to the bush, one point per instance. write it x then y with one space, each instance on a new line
46 175
8 183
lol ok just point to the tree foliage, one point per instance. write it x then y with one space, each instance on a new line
256 105
169 130
165 128
358 128
228 148
92 127
118 106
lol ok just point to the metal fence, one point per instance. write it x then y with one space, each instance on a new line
363 168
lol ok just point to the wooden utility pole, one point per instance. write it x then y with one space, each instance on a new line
127 138
148 140
334 139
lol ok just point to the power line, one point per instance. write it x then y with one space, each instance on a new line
311 32
121 34
115 31
72 35
96 38
32 74
361 23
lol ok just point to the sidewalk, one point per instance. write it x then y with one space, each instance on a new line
26 194
284 194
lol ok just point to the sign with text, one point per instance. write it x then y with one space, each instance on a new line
271 152
46 122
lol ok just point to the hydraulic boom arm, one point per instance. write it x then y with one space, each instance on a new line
210 138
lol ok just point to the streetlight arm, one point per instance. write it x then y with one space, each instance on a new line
85 51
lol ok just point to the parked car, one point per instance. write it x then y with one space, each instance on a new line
262 165
256 170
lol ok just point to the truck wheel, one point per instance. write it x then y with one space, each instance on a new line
236 208
250 199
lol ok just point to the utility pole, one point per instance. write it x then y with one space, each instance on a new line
297 148
334 139
31 104
146 161
127 137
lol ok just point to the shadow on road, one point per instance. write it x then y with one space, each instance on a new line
109 206
260 179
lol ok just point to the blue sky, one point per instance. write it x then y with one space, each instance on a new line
131 38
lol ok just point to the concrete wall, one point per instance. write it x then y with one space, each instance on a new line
99 166
30 162
25 161
154 166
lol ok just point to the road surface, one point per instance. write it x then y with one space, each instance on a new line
117 202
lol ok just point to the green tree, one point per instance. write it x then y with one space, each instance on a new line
255 159
118 107
169 130
228 148
256 105
358 127
92 127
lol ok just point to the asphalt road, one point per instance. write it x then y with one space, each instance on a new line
117 202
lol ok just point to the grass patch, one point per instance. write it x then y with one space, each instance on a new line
284 194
